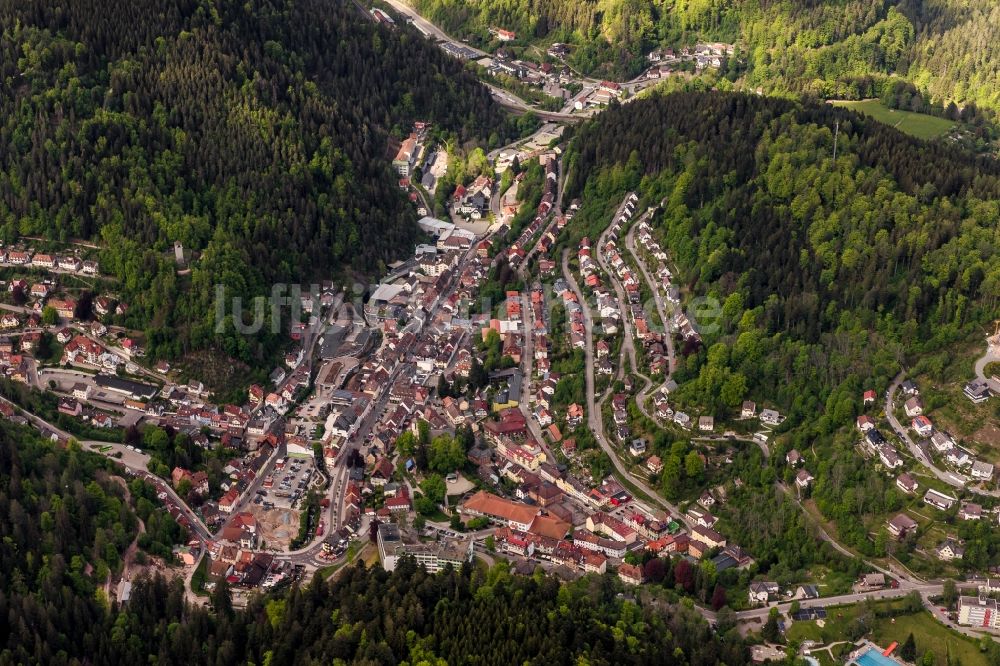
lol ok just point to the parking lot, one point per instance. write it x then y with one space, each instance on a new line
287 484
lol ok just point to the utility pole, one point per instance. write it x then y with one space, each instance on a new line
836 135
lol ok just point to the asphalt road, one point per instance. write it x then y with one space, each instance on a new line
628 346
661 307
948 477
528 359
951 478
594 420
427 27
991 356
643 395
763 611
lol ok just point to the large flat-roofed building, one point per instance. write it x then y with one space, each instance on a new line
978 612
389 541
135 390
381 304
435 556
434 226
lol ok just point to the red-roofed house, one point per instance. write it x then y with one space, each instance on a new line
631 574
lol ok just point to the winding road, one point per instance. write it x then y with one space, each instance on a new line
136 462
594 421
642 396
503 97
953 479
956 480
992 355
662 309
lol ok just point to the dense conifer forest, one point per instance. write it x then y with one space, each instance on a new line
66 520
257 134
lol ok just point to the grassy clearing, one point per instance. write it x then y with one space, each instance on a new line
200 578
919 125
928 633
834 627
830 582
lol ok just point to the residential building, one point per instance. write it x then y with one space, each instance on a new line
906 483
69 406
707 536
970 511
889 456
942 441
978 390
762 592
803 479
631 574
939 499
923 426
913 407
982 470
901 525
701 517
950 549
771 417
873 580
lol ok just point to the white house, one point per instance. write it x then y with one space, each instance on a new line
803 479
939 499
923 426
762 592
982 470
770 417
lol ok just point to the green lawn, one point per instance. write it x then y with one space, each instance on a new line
200 577
834 626
915 124
929 635
829 581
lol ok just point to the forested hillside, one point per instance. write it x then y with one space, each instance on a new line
811 278
255 133
828 272
64 524
831 48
